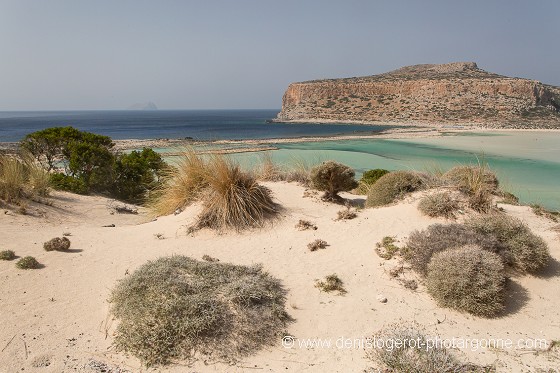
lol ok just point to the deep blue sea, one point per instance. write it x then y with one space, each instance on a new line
169 124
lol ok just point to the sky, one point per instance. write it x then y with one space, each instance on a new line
242 54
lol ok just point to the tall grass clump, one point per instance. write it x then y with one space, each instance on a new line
392 186
176 308
405 348
526 251
233 198
422 245
477 182
468 279
22 177
267 170
182 184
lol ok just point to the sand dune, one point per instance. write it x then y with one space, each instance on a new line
56 319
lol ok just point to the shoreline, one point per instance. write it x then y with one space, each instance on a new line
257 145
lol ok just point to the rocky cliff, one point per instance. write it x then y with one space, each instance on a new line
454 93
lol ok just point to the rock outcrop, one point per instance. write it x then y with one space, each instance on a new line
454 93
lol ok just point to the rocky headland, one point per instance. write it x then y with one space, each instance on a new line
455 93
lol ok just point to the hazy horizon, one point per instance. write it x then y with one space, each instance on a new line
194 55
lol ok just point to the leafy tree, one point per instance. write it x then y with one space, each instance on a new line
332 178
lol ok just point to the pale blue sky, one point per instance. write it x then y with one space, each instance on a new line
100 54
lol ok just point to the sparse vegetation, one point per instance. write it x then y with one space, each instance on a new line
386 249
549 214
330 284
304 225
525 251
508 198
413 354
333 178
392 186
176 307
317 244
7 255
346 214
57 244
467 279
422 245
28 262
440 204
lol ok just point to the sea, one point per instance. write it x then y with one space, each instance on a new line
527 163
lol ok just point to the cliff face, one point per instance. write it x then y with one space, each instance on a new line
449 93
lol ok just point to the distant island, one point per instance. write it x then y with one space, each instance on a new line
143 106
455 93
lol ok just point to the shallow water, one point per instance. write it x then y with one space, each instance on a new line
527 164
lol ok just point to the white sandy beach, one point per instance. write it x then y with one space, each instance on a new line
56 319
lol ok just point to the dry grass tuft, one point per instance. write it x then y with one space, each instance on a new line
233 198
330 284
405 348
28 262
57 243
7 255
304 225
22 178
391 187
182 184
317 244
477 182
386 249
267 170
525 251
468 279
174 308
422 245
440 204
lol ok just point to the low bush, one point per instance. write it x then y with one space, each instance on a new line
346 214
413 352
317 244
392 186
67 183
175 307
57 244
422 245
439 205
369 177
333 178
7 255
331 283
526 251
304 225
28 262
467 279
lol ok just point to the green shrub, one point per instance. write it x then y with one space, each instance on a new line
468 279
405 348
439 205
67 183
136 173
332 178
392 186
28 262
57 244
386 249
526 251
176 307
7 255
369 177
422 245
